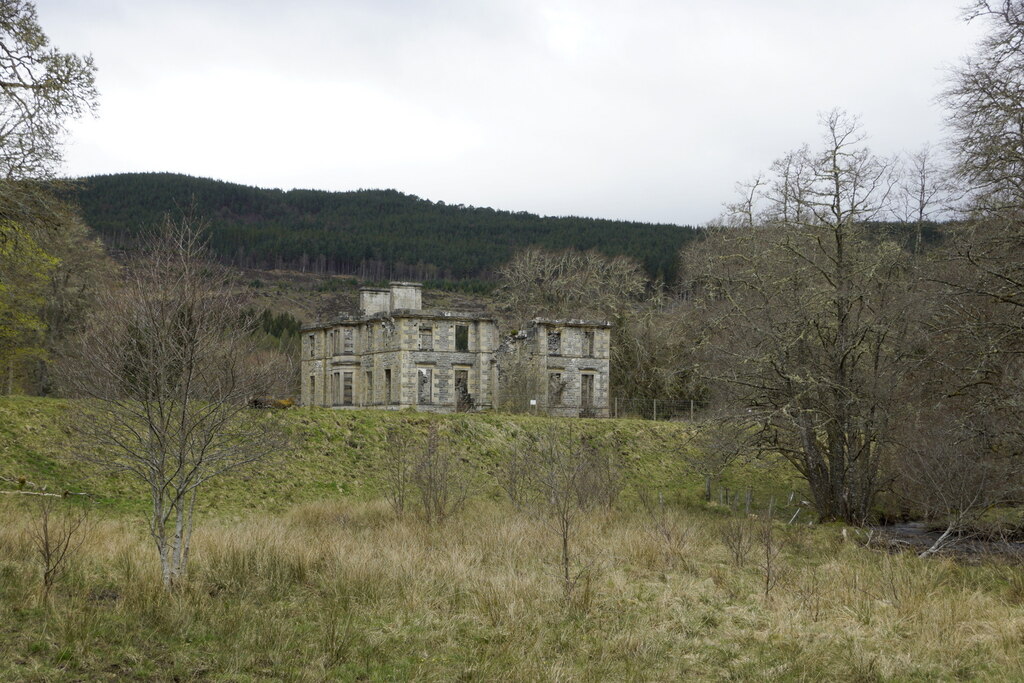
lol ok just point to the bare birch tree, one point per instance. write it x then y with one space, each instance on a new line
165 368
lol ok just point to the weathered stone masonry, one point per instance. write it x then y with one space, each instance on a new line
396 355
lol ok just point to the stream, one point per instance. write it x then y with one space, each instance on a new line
919 536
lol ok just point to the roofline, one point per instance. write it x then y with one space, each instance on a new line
404 313
571 322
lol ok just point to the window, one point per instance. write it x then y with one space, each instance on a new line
462 337
586 393
349 343
426 339
387 385
312 346
555 388
463 401
346 391
554 343
588 343
368 388
335 388
312 389
425 386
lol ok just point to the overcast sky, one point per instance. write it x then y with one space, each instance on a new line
646 110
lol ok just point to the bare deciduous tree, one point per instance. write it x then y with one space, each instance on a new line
666 526
925 192
984 100
984 310
438 476
716 443
561 464
652 350
946 474
58 537
165 367
397 463
807 320
568 284
560 475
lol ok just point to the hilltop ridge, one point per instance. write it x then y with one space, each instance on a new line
373 234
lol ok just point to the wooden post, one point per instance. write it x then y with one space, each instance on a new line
655 409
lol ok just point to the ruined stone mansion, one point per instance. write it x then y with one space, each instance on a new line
393 354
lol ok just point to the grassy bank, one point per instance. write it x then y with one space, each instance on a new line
338 453
343 590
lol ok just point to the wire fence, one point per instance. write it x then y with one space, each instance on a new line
656 408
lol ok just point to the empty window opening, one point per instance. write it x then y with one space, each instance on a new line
312 345
588 343
335 388
426 339
554 343
387 385
346 389
312 389
368 388
424 387
555 389
349 338
463 401
586 392
462 337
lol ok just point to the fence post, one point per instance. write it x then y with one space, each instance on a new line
691 410
655 409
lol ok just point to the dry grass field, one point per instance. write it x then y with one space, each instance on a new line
345 590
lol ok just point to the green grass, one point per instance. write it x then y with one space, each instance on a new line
337 452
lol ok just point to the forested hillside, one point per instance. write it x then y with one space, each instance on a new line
375 234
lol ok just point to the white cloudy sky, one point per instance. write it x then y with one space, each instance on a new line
645 110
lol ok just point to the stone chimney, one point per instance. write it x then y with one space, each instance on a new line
406 295
374 300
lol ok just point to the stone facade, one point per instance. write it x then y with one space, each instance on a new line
394 354
572 359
